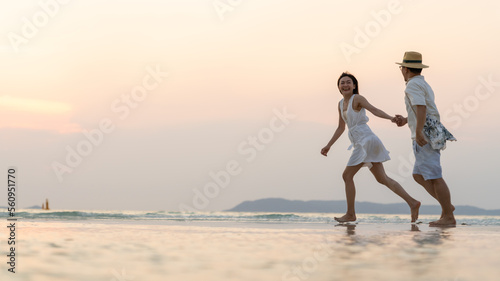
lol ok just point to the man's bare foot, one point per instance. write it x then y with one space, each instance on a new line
346 218
445 221
414 211
414 227
452 210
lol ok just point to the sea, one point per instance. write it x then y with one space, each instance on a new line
234 217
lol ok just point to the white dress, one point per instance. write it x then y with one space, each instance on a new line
367 146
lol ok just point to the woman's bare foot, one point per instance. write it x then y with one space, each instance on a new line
444 221
346 218
414 211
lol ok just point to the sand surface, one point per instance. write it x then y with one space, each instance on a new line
114 250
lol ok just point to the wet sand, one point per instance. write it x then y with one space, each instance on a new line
140 250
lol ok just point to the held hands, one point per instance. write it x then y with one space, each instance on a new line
399 120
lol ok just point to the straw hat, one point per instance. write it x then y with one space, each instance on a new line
412 60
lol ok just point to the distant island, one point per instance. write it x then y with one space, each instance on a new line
280 205
45 206
32 207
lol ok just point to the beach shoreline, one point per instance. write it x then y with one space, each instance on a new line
175 250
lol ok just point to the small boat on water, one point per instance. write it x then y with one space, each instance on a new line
46 205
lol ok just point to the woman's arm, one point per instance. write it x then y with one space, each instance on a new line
361 102
336 135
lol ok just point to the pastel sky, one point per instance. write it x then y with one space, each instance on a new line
202 104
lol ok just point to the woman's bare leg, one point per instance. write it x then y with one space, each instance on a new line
379 173
350 192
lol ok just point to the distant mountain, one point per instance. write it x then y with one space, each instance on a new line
280 205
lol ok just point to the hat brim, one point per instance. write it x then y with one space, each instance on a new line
413 65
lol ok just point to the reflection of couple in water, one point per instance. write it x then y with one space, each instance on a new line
430 237
369 150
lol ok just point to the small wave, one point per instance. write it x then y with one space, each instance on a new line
68 215
277 216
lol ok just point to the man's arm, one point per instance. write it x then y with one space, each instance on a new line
421 111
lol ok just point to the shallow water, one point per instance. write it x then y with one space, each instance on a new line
277 247
247 217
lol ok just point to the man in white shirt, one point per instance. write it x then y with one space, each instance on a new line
419 100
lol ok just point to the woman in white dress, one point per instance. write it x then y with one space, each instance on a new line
368 149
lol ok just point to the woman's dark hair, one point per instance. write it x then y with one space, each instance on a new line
354 81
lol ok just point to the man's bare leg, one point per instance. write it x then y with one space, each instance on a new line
350 192
426 184
429 186
444 198
379 173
